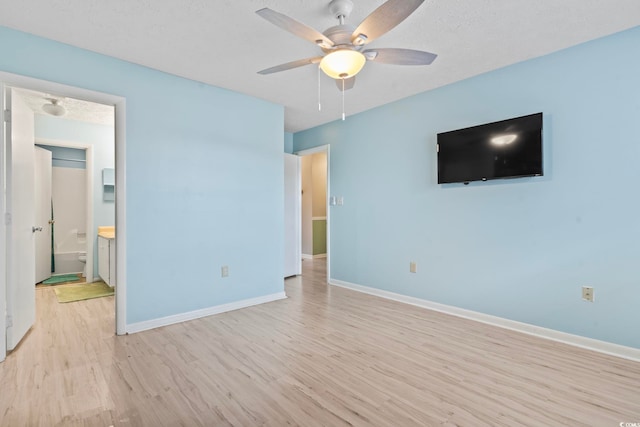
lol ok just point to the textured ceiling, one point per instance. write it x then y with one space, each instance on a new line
224 43
77 109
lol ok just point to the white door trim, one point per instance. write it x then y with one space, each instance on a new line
323 149
119 102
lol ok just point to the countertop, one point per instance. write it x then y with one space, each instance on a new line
108 232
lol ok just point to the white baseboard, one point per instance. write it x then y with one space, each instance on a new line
307 256
196 314
538 331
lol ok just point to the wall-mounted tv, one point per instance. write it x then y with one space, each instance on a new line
509 148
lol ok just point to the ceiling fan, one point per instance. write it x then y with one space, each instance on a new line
343 44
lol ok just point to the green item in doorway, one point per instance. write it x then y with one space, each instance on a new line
60 279
82 291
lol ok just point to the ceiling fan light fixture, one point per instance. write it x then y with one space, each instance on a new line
55 109
343 63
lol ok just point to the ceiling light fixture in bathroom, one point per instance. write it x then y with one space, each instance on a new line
55 109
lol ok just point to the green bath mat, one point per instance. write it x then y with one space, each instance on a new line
81 292
60 279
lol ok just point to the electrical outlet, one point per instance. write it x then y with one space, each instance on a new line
587 293
224 271
413 267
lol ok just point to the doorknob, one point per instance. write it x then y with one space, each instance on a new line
34 229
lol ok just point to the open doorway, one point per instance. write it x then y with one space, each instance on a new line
73 144
314 221
81 143
10 86
314 205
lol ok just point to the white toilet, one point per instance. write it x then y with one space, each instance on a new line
82 257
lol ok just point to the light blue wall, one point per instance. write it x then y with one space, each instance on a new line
102 139
288 142
203 189
519 249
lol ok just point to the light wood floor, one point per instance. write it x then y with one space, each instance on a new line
324 356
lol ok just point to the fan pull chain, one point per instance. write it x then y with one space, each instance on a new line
319 104
343 115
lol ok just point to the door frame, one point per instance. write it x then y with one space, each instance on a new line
321 149
119 102
91 232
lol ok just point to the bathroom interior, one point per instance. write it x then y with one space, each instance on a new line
81 139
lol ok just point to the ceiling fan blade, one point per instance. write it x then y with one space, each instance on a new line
295 27
290 65
399 56
384 19
348 83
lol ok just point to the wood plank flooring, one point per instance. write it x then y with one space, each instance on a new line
325 356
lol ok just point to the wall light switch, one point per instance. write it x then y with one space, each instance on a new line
224 271
413 267
332 200
340 201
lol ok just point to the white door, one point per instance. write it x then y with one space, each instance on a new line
21 301
4 107
43 213
292 200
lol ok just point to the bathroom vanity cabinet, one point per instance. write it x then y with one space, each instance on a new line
107 260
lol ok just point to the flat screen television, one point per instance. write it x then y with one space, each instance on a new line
509 148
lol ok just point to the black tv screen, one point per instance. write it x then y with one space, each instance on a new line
506 149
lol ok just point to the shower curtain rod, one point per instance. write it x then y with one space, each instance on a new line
68 160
